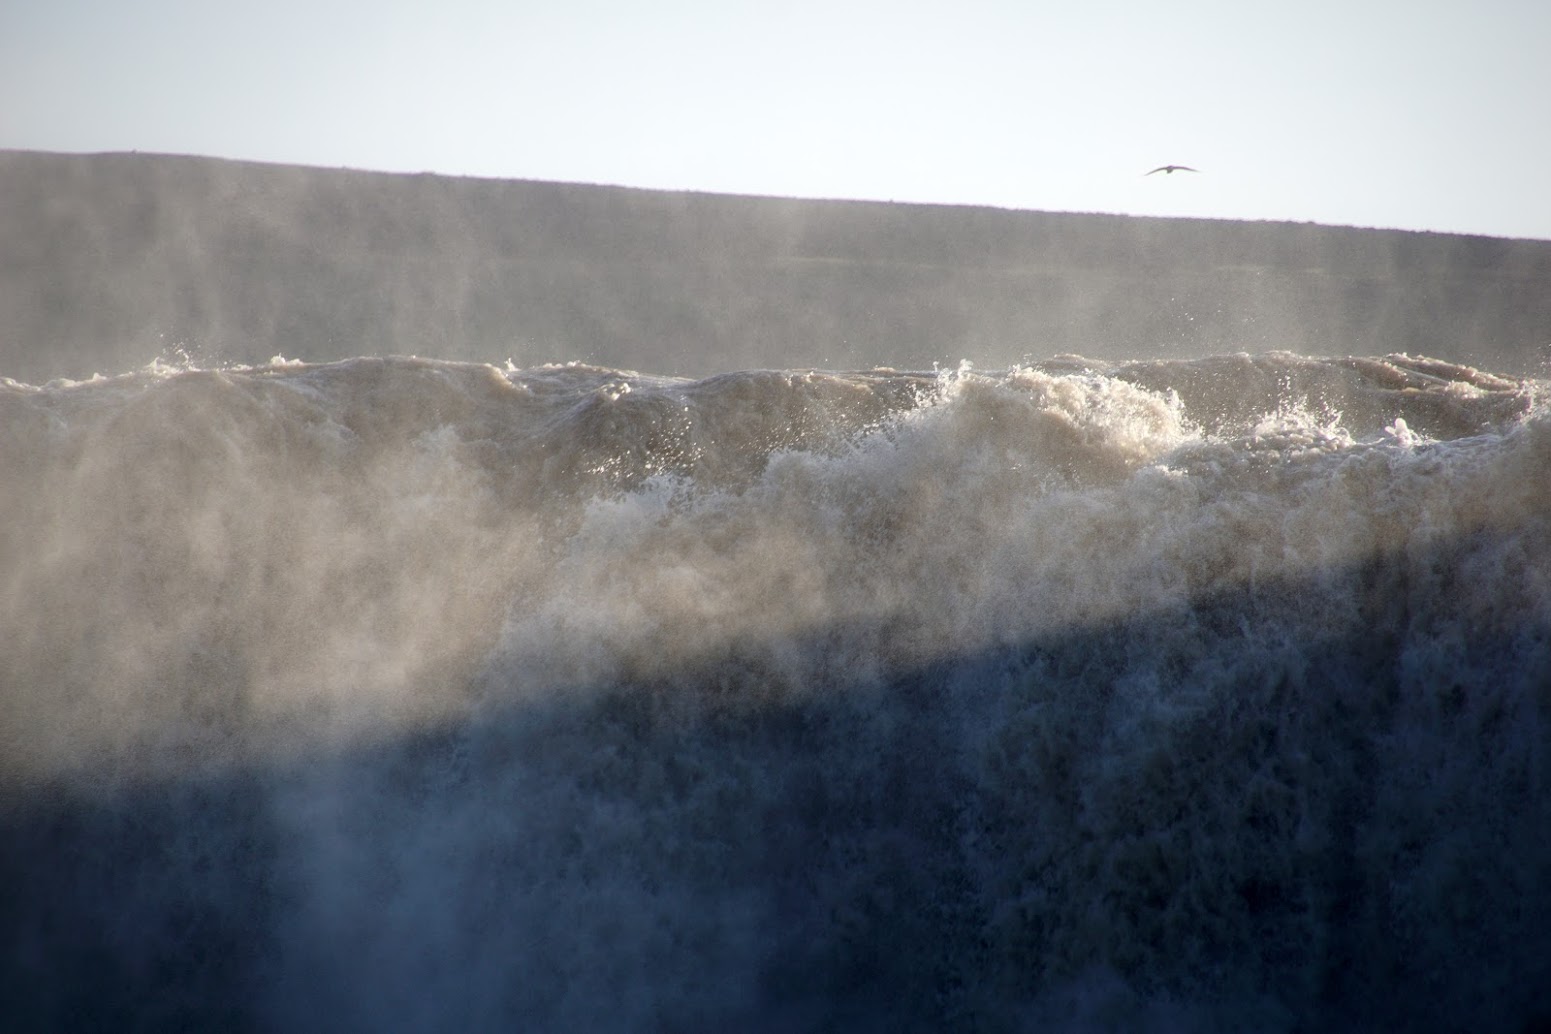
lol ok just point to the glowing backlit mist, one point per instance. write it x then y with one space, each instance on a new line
396 694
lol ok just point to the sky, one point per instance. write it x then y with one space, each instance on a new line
1410 114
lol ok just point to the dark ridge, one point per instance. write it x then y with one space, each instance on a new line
108 261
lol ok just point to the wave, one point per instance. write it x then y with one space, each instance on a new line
401 693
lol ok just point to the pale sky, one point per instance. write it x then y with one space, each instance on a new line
1419 115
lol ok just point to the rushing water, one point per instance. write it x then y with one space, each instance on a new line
397 694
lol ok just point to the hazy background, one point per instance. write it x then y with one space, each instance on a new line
1421 115
108 262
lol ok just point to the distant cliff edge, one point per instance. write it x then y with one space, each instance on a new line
108 261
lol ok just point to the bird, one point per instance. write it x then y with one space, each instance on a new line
1171 169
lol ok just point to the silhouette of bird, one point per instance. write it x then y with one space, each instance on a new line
1171 169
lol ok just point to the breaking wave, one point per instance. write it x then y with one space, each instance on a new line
400 694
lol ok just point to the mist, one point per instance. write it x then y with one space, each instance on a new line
1201 687
112 261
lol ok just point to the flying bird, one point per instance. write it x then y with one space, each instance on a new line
1171 169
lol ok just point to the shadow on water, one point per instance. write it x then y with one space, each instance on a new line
1296 806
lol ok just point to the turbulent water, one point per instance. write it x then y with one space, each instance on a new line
399 695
